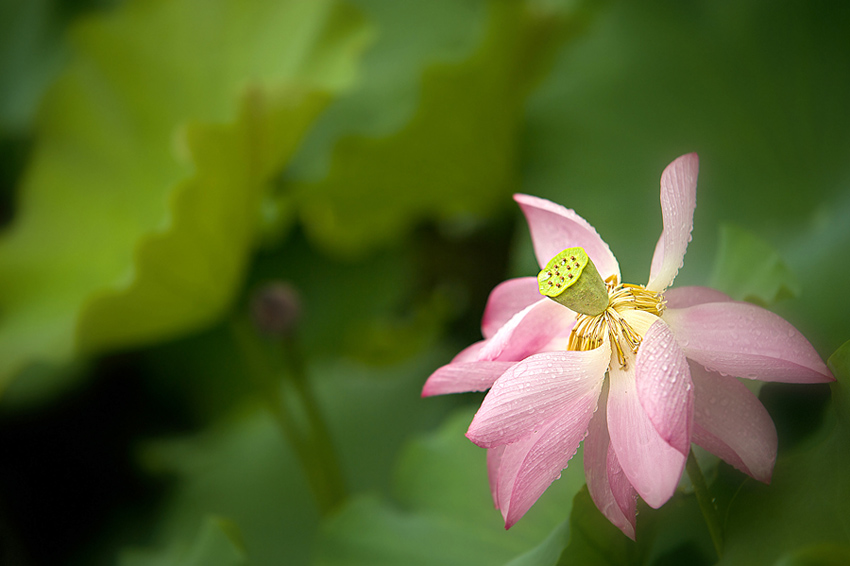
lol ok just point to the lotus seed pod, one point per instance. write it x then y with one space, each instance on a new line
571 279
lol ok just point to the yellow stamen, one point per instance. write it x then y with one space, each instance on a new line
589 331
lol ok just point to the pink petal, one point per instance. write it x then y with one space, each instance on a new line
682 297
730 422
744 340
651 465
528 332
470 353
507 299
463 377
494 461
664 387
678 200
555 228
618 505
624 493
534 391
531 464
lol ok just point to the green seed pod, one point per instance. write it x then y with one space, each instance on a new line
571 279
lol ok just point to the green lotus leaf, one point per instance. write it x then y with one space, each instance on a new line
142 198
457 155
218 543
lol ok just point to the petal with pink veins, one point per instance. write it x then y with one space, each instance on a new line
682 297
744 340
531 464
730 422
507 299
463 377
651 465
618 505
534 391
528 332
678 200
555 228
624 493
663 382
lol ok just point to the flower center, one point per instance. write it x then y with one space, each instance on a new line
590 330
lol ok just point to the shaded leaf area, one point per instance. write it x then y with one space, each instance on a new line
442 512
217 544
141 200
394 305
806 504
749 269
32 51
754 88
673 534
455 158
243 469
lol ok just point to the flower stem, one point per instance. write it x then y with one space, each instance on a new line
310 439
321 441
706 503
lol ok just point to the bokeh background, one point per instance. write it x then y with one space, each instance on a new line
163 161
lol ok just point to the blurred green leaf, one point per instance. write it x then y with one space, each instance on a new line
217 544
806 503
241 467
141 201
457 154
244 470
185 276
30 54
548 552
442 495
671 535
751 86
594 540
825 554
748 268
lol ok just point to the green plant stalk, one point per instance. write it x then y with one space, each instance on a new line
321 440
311 443
706 503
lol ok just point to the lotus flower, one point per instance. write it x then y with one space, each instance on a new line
639 382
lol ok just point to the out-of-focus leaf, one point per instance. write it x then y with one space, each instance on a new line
217 544
442 495
806 502
141 200
243 468
749 269
825 554
594 540
548 552
652 81
30 54
212 224
673 534
456 156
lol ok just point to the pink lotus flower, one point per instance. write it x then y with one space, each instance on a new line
670 356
